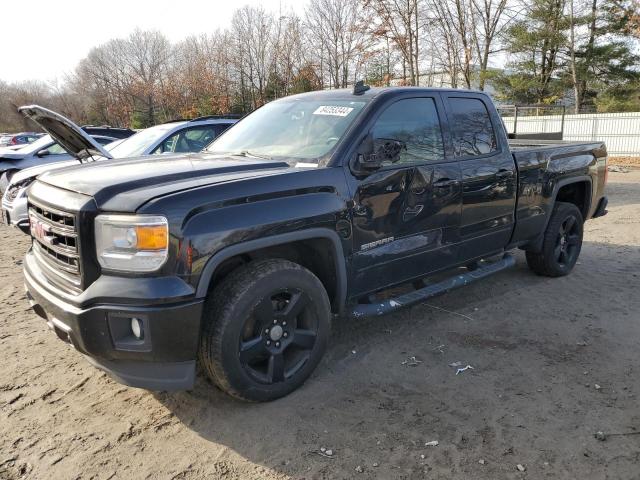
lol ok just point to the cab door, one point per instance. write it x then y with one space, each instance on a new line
406 215
489 176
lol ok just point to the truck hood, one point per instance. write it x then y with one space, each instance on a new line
70 136
125 184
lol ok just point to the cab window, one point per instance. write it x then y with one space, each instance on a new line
415 122
473 133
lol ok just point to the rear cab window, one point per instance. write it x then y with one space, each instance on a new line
471 127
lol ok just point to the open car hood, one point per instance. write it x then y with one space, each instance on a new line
70 136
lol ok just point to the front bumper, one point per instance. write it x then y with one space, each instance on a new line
165 357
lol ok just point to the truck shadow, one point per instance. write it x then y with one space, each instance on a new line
369 407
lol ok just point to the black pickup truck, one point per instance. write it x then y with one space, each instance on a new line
305 211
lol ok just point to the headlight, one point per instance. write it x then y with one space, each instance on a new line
133 243
17 190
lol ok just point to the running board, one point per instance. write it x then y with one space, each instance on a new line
422 294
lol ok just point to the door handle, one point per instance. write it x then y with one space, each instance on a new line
504 174
445 182
411 212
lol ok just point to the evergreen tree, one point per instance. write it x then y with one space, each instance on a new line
605 64
536 42
582 45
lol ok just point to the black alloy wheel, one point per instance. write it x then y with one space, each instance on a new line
277 340
568 241
265 329
561 243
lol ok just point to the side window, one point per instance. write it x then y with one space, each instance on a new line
56 149
195 139
415 122
168 145
187 140
471 127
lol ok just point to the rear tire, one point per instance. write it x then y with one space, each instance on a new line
561 244
265 329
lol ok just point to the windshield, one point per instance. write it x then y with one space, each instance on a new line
295 128
43 142
138 144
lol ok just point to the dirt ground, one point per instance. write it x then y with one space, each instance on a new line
554 361
625 161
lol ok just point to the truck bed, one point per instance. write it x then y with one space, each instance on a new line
543 167
520 145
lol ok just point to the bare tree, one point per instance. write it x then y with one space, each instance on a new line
338 36
465 27
290 58
491 17
128 76
452 30
252 28
401 21
143 79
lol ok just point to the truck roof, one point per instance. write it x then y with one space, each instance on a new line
344 93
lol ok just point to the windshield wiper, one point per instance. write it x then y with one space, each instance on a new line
247 153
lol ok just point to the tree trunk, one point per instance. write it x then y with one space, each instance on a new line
589 50
416 37
572 47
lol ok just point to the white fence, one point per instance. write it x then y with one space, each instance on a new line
620 131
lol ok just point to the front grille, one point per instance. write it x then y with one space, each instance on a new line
55 245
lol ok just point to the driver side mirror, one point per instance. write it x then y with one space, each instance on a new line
374 151
43 153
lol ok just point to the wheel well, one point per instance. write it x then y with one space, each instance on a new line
578 193
317 255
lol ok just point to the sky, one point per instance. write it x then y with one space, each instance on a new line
47 38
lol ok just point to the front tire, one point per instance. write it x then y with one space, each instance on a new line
561 244
265 329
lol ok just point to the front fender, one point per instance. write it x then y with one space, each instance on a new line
245 247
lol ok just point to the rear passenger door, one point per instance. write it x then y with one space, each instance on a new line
406 214
489 177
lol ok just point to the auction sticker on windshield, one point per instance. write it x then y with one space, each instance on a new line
333 110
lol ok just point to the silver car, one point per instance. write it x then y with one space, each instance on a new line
174 137
43 151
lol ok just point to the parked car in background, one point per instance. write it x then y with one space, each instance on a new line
183 136
178 136
108 131
45 150
24 138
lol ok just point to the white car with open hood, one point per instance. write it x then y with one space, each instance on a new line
184 136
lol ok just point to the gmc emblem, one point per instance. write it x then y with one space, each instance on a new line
39 230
